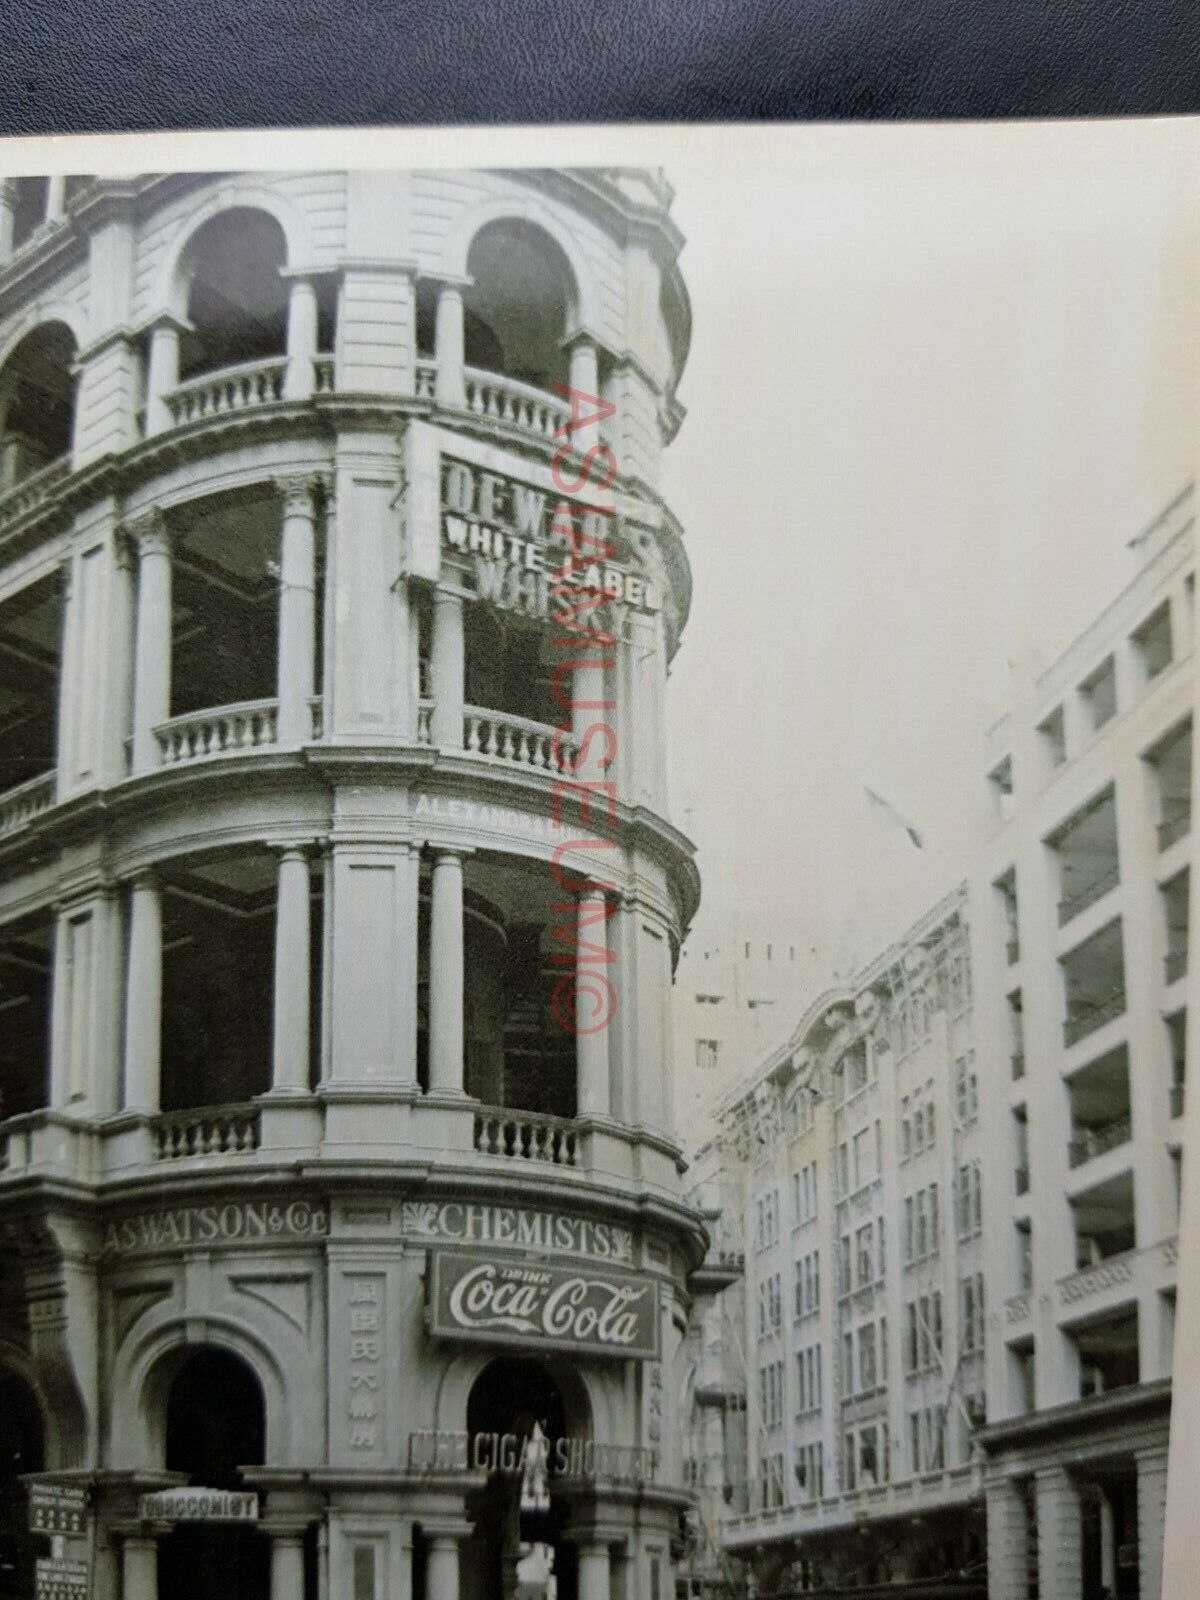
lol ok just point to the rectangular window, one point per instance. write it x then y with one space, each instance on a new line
905 1128
914 1439
922 1245
851 1462
910 1337
845 1265
908 1229
934 1227
706 1054
863 1241
866 1357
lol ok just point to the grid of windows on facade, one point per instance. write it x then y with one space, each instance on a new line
923 1333
801 1112
864 1357
921 1224
770 1394
770 1481
865 1452
810 1471
859 1160
808 1379
912 1017
971 1313
804 1194
918 1122
766 1222
770 1306
927 1438
966 1089
808 1283
861 1257
968 1199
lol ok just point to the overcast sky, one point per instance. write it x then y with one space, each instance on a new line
938 379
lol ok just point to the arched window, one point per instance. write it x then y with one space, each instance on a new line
236 298
520 305
37 402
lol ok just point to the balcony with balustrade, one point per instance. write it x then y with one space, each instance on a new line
30 670
1093 983
1098 1093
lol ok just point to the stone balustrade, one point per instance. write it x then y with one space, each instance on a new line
525 1136
240 388
206 1131
426 379
507 403
516 740
19 806
34 490
222 731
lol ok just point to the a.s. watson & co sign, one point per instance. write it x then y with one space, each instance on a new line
498 1300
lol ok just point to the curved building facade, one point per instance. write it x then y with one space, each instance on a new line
344 1249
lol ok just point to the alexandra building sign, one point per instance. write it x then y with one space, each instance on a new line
485 1298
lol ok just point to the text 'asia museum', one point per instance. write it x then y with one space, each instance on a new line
344 1255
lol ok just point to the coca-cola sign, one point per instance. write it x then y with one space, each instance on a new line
501 1300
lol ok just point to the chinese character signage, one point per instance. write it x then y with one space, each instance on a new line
500 1300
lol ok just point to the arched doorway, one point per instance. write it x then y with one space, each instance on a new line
22 1449
215 1425
517 1412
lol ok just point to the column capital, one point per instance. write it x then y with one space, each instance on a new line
456 282
298 490
449 852
291 848
144 878
148 533
445 1531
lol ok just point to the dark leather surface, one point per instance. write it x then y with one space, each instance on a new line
77 65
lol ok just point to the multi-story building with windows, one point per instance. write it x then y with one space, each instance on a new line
858 1148
959 1179
335 1195
1081 952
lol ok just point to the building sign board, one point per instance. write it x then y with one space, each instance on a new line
237 1222
442 1450
57 1508
199 1505
467 1222
487 1298
516 540
58 1579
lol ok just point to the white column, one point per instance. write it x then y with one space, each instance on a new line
1151 1515
8 210
300 378
584 379
297 610
143 995
447 671
441 1566
56 196
162 374
287 1564
139 1568
591 708
449 347
152 644
293 932
446 968
1007 1542
1060 1536
594 1574
594 987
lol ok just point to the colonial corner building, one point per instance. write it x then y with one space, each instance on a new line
338 1192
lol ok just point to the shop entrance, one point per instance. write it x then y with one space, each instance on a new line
516 1415
216 1424
21 1450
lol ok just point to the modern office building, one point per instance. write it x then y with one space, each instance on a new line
345 1253
1080 923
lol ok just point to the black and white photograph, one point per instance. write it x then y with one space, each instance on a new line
596 766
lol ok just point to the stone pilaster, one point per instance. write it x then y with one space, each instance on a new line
1007 1541
1060 1536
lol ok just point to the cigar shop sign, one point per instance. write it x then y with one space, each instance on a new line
492 1299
